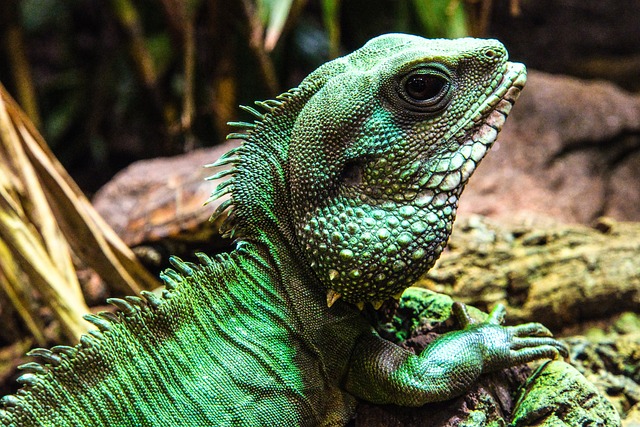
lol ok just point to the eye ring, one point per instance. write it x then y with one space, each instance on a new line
426 89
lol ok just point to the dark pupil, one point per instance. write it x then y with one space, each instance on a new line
422 87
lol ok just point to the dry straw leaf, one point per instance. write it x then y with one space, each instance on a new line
44 217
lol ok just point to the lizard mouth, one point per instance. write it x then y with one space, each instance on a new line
477 130
496 107
489 118
494 110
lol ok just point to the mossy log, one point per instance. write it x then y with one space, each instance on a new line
560 275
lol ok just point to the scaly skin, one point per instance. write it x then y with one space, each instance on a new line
343 193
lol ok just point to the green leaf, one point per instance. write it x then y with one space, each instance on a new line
331 17
41 15
442 18
160 48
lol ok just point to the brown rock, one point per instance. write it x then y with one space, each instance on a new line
633 417
161 198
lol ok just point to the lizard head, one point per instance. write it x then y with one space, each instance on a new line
379 155
360 168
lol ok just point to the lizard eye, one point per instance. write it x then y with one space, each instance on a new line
426 89
422 87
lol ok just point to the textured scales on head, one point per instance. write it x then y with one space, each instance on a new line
361 166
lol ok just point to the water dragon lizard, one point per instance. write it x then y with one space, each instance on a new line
343 193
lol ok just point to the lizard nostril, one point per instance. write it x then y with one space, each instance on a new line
490 53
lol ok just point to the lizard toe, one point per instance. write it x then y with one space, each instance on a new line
462 316
530 354
530 329
532 342
496 317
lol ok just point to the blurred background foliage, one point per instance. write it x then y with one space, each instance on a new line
111 82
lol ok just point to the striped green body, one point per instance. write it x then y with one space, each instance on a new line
225 348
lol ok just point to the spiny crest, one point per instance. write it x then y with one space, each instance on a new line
47 359
256 147
33 371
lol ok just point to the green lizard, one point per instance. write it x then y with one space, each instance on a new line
343 193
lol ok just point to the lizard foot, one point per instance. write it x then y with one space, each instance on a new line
510 345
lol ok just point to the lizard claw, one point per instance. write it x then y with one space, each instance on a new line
509 345
515 345
534 340
535 336
530 329
529 349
